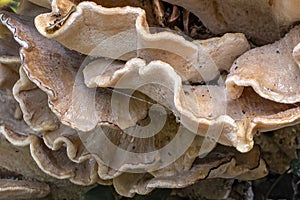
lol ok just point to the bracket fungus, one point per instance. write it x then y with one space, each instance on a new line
230 165
197 106
124 34
279 71
100 92
61 66
263 21
37 115
20 170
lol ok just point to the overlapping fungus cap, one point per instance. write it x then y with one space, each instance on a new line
131 37
262 21
173 176
54 68
199 107
10 114
272 70
85 172
18 133
21 176
230 165
180 173
56 95
37 115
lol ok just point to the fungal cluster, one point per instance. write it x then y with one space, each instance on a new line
98 92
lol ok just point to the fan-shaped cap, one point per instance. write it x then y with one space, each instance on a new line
200 107
55 70
9 113
262 21
124 33
27 157
78 148
34 105
272 70
221 162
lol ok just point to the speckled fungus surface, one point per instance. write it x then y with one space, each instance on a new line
96 92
